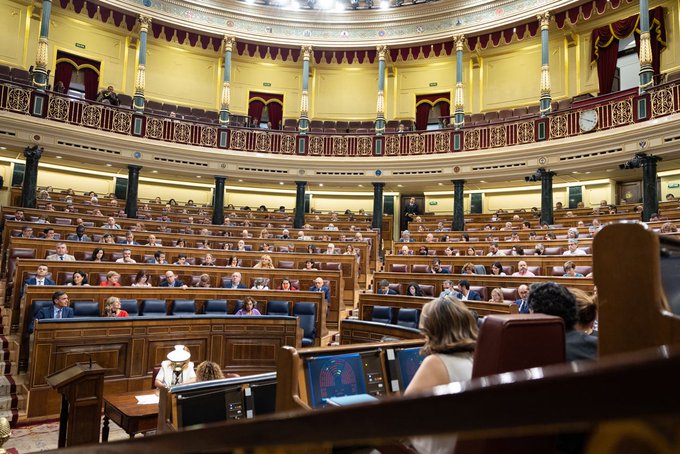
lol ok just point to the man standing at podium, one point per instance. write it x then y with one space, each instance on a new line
59 309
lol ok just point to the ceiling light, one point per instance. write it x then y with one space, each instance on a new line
240 181
154 171
108 164
482 181
361 185
321 184
198 176
440 184
384 4
400 185
3 148
58 157
280 182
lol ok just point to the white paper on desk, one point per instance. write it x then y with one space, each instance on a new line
147 399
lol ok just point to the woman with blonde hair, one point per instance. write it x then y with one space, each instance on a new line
207 371
112 308
265 262
496 295
468 268
450 332
203 281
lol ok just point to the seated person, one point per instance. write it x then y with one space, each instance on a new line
437 267
235 281
309 266
40 277
570 269
177 369
158 258
286 285
465 293
108 96
496 296
384 288
127 257
181 260
259 284
172 281
248 308
413 289
207 371
112 279
320 287
112 308
450 332
59 308
554 299
265 263
203 281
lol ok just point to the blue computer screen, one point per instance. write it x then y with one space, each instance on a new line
408 362
334 376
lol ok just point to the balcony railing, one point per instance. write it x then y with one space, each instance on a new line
613 111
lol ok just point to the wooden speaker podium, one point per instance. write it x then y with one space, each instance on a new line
82 388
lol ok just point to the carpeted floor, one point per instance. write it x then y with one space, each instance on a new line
41 437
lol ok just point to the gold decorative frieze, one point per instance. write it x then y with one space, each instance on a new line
558 126
263 141
181 132
416 144
622 112
472 139
525 132
497 136
364 146
92 116
154 128
442 142
208 136
237 140
18 99
392 145
662 101
57 108
316 145
122 121
288 143
339 145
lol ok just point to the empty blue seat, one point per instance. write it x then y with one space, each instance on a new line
37 305
130 306
85 309
382 314
306 314
277 308
408 317
154 307
183 307
215 307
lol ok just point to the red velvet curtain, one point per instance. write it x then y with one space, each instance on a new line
445 111
422 114
91 81
605 44
63 72
275 114
424 104
255 108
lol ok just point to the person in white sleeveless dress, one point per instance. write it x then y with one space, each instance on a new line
450 332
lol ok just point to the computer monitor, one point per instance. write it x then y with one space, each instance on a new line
210 406
260 399
334 376
402 364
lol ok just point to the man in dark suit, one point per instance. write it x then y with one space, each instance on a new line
130 239
319 287
235 281
523 292
158 258
40 278
465 292
79 235
384 288
172 281
59 309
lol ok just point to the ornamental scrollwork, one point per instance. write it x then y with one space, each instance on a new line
208 136
497 136
558 126
263 141
622 112
154 128
364 146
339 145
288 144
57 108
122 122
471 139
181 132
18 99
316 145
92 116
416 144
392 145
442 142
662 102
525 132
237 139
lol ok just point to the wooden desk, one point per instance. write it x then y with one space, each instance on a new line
132 417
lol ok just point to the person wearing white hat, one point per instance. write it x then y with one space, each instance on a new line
177 369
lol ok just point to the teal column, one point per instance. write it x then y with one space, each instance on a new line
380 117
140 79
228 43
646 70
303 124
459 108
40 69
545 68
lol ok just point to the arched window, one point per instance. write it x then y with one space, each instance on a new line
264 108
429 109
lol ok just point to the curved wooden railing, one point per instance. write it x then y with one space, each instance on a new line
621 109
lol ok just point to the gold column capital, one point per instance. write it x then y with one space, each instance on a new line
306 51
544 19
382 51
228 43
144 23
459 41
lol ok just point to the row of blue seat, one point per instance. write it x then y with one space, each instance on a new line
406 317
304 311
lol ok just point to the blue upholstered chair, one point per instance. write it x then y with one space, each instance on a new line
85 309
277 308
408 317
130 306
180 307
216 307
154 308
382 314
306 314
